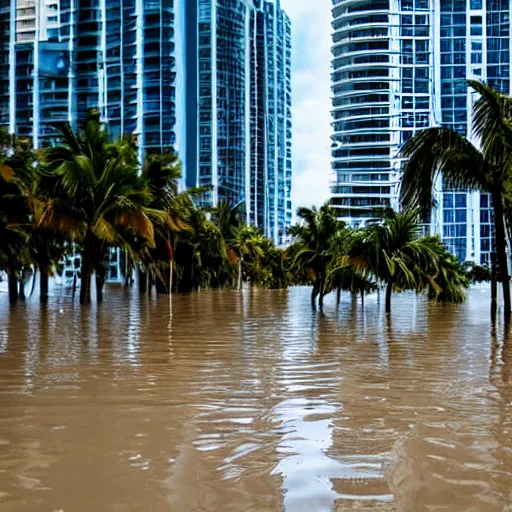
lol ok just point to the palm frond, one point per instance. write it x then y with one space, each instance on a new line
434 150
491 124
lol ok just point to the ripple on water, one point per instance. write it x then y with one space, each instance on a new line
251 401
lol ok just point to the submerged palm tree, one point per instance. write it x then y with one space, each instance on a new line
450 282
311 247
395 254
99 199
162 172
485 167
200 253
17 183
347 278
249 246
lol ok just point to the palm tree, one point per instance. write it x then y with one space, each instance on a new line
450 282
311 247
395 254
342 275
250 246
477 273
485 167
347 278
200 253
162 172
228 219
17 175
99 199
13 244
274 270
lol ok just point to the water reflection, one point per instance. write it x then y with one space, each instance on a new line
252 401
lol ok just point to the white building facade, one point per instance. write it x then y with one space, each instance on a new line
400 66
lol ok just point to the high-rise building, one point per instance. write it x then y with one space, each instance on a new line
399 67
6 32
271 160
208 78
67 56
238 135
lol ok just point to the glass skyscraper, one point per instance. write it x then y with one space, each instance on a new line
68 56
401 66
238 136
271 161
208 78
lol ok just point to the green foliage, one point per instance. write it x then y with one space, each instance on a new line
450 281
311 251
485 167
477 273
390 252
397 256
91 194
98 198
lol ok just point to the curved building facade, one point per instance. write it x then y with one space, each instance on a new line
400 66
381 83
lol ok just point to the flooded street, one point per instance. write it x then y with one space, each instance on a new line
253 402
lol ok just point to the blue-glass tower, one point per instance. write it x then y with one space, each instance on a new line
238 135
68 56
474 42
208 78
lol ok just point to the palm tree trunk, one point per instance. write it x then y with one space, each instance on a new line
314 292
494 288
86 269
322 292
126 271
43 284
13 287
170 252
162 282
501 250
100 285
22 286
85 286
389 292
143 281
362 298
338 295
239 283
85 273
33 287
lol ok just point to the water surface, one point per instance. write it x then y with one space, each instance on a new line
252 402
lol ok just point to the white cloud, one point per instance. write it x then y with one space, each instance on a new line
311 36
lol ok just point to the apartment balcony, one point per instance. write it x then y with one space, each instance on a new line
362 53
355 131
369 37
346 15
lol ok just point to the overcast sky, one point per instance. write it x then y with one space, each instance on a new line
311 33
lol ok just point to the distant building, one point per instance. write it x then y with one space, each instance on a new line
401 67
238 134
208 78
67 56
271 154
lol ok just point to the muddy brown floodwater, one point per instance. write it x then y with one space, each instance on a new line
252 402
